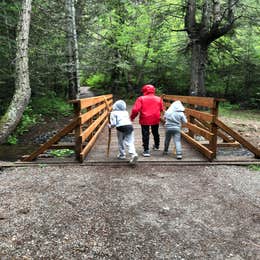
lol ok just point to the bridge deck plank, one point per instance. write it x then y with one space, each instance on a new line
98 153
190 154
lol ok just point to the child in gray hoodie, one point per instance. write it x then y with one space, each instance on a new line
119 118
174 117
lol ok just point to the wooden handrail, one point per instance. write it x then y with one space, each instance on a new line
92 114
193 113
198 101
90 117
207 124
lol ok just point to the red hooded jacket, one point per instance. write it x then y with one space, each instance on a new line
148 106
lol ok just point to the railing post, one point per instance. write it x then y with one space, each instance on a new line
214 129
191 120
78 131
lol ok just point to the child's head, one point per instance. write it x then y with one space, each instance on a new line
148 89
119 105
177 106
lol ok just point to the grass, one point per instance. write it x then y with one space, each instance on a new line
46 106
254 167
233 111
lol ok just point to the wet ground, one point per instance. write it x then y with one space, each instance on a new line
13 153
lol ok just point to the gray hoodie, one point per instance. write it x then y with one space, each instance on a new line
119 115
175 116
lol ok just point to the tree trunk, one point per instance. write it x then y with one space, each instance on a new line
73 57
202 31
198 67
22 93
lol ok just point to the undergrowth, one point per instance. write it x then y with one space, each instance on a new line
254 167
47 106
62 152
233 110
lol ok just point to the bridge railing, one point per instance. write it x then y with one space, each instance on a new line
90 117
92 114
203 121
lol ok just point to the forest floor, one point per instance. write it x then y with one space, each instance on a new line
147 212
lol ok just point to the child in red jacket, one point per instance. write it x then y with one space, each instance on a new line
149 108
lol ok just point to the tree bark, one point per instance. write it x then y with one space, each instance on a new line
73 56
22 94
212 25
198 66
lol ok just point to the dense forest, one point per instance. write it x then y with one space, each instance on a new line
204 48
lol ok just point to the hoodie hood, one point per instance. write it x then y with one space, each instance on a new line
119 105
148 89
176 106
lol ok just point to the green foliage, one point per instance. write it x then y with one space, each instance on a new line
97 81
123 45
12 139
46 106
233 110
51 105
62 152
29 119
254 167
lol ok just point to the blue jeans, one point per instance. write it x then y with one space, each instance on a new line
176 134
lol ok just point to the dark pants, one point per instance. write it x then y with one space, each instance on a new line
146 133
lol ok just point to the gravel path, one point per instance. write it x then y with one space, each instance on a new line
130 213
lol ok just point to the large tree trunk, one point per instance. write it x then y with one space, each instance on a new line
198 67
22 93
73 57
214 22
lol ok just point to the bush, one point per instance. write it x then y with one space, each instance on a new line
29 119
51 105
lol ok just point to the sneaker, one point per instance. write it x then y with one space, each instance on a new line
179 156
156 148
121 156
146 154
165 152
133 159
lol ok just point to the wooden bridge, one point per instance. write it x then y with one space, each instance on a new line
202 136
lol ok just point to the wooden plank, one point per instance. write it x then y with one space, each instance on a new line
199 101
53 140
204 150
229 145
92 127
63 146
125 163
233 144
198 130
108 96
205 125
85 117
238 138
199 114
226 139
92 142
214 129
77 131
84 103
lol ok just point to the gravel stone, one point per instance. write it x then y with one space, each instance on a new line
87 212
